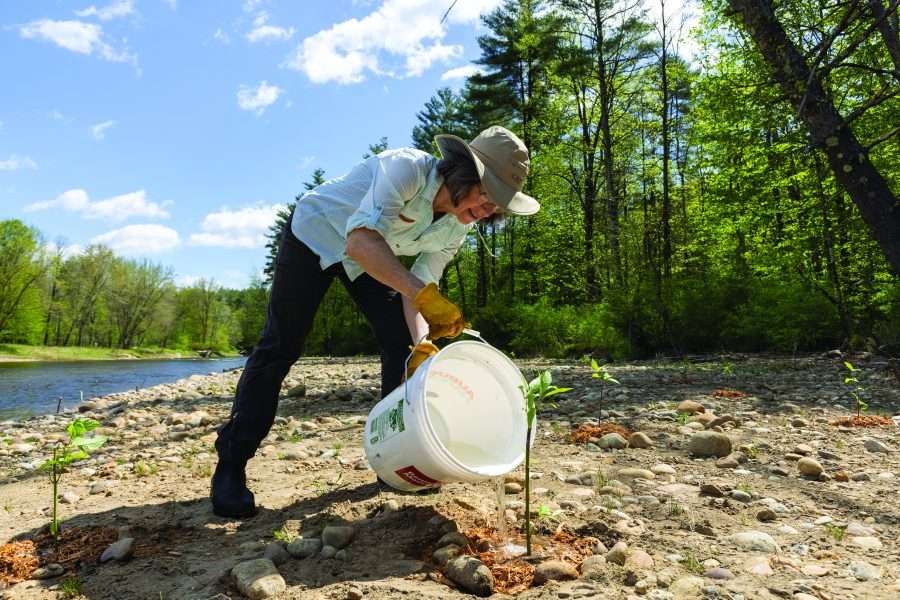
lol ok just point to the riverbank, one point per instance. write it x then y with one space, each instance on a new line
801 507
24 353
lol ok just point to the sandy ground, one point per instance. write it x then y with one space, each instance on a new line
833 536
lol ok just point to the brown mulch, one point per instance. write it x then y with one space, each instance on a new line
585 432
863 421
19 559
728 393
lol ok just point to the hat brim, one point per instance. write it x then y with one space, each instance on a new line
509 199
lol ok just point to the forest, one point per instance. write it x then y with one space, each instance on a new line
731 187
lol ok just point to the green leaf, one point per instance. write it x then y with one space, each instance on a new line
89 443
594 365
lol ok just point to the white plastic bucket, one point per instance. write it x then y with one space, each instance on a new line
463 420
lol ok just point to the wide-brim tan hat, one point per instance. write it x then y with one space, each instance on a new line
501 159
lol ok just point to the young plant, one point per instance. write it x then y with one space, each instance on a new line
600 372
539 390
76 448
857 390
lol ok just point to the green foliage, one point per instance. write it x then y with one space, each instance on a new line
535 394
283 535
856 389
836 531
70 587
78 447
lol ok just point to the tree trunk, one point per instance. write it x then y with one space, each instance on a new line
848 159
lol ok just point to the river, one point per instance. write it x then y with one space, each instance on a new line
34 388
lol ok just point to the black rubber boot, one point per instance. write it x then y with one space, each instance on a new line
230 496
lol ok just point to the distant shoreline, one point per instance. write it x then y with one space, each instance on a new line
16 353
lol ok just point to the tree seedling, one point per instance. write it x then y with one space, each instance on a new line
599 372
857 390
76 448
536 394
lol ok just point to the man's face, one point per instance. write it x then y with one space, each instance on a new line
474 206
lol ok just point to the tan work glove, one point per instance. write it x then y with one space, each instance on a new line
444 318
419 355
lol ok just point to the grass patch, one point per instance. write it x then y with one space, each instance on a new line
17 352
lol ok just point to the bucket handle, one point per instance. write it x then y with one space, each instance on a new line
467 331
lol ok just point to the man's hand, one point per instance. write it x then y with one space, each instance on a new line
444 318
419 355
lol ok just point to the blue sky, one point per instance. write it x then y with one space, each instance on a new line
172 129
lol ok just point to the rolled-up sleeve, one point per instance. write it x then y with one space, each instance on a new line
395 180
429 266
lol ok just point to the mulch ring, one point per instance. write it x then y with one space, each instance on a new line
863 421
728 393
585 432
77 545
515 575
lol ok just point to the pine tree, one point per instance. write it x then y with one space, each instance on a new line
282 220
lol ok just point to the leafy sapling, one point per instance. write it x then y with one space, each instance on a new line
600 372
857 390
539 390
76 448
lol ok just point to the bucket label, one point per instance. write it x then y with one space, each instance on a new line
416 477
387 424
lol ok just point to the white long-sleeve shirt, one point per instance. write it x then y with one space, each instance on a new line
391 193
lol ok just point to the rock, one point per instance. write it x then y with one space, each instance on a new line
809 467
638 560
593 567
614 441
741 495
298 391
445 554
690 407
754 540
842 476
258 579
618 553
662 469
711 489
304 547
639 439
512 488
815 570
120 550
354 594
719 573
99 487
766 515
471 575
803 449
876 446
864 571
728 462
69 497
687 588
866 542
554 570
49 572
709 443
337 536
759 565
453 537
631 473
277 553
328 551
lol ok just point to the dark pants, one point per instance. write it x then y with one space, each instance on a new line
297 290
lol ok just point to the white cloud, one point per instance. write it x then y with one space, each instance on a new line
173 4
221 36
99 130
77 36
258 98
264 32
251 5
117 208
14 163
242 228
139 239
122 8
461 72
402 38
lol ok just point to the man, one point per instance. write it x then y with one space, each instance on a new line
401 202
